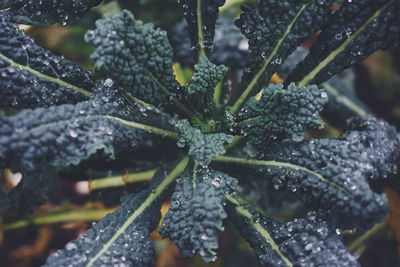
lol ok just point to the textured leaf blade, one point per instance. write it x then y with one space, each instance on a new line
194 219
122 238
47 11
308 241
355 31
137 56
33 77
275 29
204 80
60 136
202 147
282 114
338 170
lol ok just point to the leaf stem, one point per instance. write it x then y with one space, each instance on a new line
121 180
148 128
200 36
86 214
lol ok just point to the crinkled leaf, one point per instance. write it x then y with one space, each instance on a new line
195 216
356 30
65 135
204 80
133 246
282 113
136 55
202 147
122 237
209 10
47 11
275 28
332 174
308 241
33 77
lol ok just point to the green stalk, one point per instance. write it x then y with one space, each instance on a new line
200 36
145 127
86 214
122 180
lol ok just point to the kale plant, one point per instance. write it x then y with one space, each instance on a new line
222 141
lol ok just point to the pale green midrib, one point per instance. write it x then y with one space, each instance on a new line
279 164
259 228
311 75
236 106
145 127
46 77
179 168
344 100
200 36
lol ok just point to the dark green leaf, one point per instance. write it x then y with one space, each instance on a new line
356 30
136 55
309 241
201 28
33 77
195 216
282 113
122 237
47 11
275 28
332 174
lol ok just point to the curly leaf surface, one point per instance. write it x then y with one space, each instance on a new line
202 147
60 136
47 11
33 77
331 175
205 78
308 241
356 30
195 216
275 29
122 237
137 56
282 113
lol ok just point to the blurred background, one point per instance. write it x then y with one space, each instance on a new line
81 201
